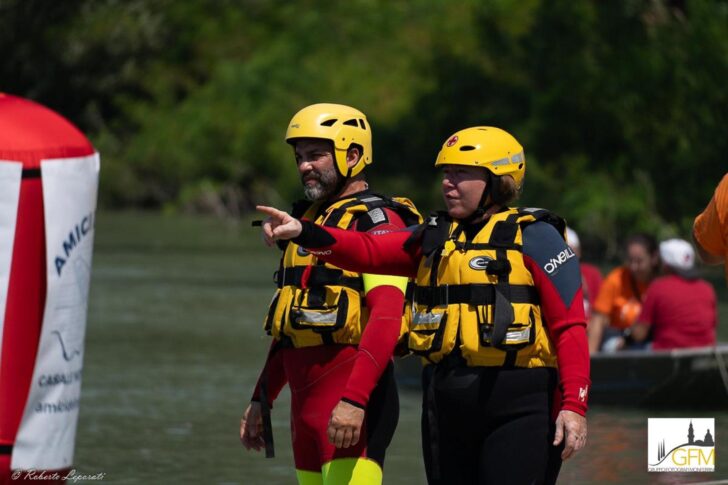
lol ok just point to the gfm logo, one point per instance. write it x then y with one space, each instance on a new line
681 445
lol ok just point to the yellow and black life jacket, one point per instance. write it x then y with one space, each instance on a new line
318 303
477 296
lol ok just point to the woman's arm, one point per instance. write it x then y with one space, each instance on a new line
354 251
562 306
563 311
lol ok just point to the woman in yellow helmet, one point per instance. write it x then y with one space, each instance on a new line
497 316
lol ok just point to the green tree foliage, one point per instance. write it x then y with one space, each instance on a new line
620 105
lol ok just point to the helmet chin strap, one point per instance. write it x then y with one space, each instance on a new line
341 181
342 178
340 185
486 200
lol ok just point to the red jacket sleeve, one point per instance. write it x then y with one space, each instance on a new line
361 252
567 328
385 303
562 305
377 343
572 352
274 372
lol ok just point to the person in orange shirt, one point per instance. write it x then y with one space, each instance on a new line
710 230
619 301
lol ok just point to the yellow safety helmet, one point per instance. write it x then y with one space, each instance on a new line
342 125
488 147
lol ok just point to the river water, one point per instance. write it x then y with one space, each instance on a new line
174 345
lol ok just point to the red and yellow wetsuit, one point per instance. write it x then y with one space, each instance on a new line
350 362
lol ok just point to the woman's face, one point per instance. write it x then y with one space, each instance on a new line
640 262
462 188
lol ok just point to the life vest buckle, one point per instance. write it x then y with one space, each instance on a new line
440 296
485 336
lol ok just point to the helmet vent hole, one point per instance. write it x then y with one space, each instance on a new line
520 166
361 123
351 122
467 148
329 122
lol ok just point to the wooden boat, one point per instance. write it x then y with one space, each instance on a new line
669 379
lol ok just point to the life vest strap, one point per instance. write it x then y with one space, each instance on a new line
318 276
474 294
265 417
469 246
504 233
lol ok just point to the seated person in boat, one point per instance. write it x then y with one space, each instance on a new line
620 297
679 308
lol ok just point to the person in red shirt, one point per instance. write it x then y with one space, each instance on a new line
334 332
679 307
591 277
497 314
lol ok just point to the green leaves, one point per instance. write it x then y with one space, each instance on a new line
620 105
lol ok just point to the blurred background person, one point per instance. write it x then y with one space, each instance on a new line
591 277
678 307
619 301
710 230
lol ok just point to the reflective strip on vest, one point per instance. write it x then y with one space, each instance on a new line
515 336
316 317
425 318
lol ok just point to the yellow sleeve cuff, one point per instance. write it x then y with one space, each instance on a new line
371 281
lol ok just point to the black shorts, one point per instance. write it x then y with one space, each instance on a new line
488 425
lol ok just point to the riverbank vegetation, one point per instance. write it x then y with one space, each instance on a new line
620 105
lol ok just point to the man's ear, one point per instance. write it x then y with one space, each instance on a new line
353 154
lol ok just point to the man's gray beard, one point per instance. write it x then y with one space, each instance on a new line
324 187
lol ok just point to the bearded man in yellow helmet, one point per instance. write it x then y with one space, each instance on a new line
498 317
334 331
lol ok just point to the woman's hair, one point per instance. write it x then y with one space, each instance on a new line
504 190
645 240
